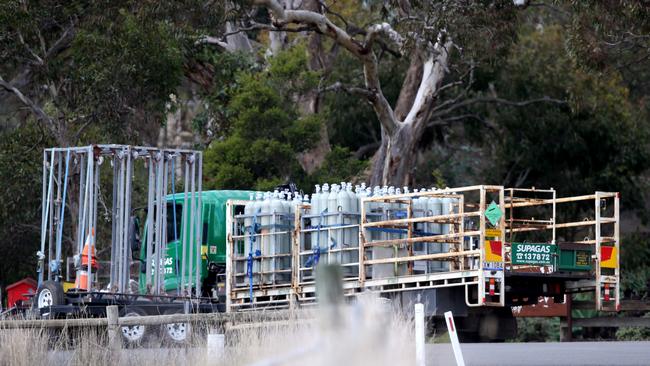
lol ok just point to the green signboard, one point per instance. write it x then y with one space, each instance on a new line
538 254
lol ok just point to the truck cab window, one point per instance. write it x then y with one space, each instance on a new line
171 234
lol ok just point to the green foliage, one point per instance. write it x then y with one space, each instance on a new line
635 264
107 69
597 141
538 330
633 333
610 35
216 119
266 131
289 71
339 165
304 133
21 156
116 71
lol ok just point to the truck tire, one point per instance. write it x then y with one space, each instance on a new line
176 333
50 293
135 335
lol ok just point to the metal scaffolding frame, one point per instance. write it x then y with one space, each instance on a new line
81 166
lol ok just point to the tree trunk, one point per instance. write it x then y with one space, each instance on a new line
395 161
313 159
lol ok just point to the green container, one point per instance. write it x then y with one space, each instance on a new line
575 257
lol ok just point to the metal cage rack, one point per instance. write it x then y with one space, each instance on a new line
402 247
76 178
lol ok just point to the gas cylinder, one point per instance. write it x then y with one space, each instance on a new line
277 240
265 242
323 219
418 211
315 211
446 208
332 220
342 235
249 211
435 209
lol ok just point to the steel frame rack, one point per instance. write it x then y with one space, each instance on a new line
303 289
606 282
79 168
468 238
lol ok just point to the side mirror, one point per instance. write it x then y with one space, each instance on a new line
134 235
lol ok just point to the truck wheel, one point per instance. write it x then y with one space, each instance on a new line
50 293
135 335
176 333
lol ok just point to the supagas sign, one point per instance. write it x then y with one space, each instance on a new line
539 254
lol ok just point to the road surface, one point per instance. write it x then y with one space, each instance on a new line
529 354
475 354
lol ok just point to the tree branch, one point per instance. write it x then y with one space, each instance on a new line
222 41
323 25
365 149
467 102
62 43
37 58
213 41
385 30
329 11
35 109
446 121
338 86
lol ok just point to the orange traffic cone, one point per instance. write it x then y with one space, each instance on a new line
81 282
84 253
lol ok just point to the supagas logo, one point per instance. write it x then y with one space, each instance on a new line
540 254
531 248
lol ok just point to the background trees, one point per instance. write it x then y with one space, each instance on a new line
388 92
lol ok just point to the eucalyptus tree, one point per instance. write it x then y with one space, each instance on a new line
442 43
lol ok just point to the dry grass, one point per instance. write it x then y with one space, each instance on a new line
367 332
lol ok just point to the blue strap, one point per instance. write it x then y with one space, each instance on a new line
55 266
333 243
249 262
400 214
401 231
313 259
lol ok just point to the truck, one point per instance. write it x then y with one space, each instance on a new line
172 247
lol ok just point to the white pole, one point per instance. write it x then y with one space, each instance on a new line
216 347
420 359
453 336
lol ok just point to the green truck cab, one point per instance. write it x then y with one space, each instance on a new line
213 246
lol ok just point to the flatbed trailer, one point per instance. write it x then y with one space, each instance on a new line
475 274
93 304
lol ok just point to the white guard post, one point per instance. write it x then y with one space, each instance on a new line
215 347
453 336
420 358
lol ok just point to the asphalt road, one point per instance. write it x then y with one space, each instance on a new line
475 354
528 354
